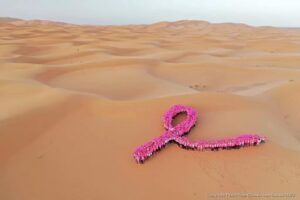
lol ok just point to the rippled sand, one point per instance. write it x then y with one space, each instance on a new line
76 100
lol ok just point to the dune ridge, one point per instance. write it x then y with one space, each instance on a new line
76 100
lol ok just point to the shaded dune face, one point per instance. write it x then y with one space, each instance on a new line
119 83
76 100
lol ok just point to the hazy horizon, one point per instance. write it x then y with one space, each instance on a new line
123 12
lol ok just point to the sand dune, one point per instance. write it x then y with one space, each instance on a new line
76 100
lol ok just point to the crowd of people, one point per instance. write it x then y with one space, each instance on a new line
177 134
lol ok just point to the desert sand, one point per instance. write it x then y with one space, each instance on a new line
76 101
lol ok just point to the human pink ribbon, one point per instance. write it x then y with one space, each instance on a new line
177 134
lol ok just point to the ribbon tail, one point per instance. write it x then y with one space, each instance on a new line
229 143
148 149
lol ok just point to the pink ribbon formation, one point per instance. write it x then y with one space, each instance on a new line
177 134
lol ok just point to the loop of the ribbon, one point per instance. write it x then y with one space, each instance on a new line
184 126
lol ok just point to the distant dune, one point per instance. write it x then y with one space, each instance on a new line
9 19
76 100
